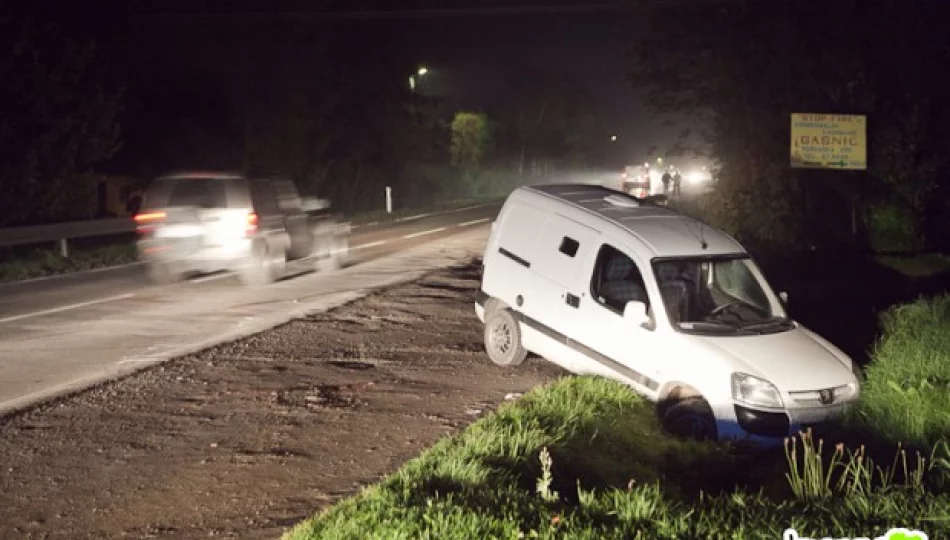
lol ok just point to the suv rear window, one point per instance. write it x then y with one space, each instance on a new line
201 192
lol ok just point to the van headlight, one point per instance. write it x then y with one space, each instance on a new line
755 391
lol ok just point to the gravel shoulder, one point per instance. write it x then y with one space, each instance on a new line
245 439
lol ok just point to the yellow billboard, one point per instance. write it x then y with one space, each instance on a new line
829 141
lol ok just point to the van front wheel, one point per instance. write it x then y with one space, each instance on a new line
503 339
691 419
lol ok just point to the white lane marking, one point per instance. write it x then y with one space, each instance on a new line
65 308
419 216
369 245
139 359
423 233
410 218
474 206
213 277
73 274
473 222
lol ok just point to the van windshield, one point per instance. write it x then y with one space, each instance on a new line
718 295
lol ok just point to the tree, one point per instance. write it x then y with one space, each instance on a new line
546 119
306 103
470 139
741 67
57 120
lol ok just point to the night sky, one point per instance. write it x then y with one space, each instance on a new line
588 45
470 56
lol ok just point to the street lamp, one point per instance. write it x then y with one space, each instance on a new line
659 161
613 138
416 79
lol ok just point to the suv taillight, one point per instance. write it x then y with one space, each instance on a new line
145 222
252 222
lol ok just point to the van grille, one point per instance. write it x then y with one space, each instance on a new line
812 398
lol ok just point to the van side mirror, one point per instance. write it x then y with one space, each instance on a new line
636 313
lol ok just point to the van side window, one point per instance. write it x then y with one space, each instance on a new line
617 280
569 246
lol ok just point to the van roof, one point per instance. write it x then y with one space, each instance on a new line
664 231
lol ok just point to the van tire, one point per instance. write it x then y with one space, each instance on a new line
503 339
265 265
691 418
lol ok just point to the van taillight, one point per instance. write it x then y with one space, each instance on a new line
145 222
252 221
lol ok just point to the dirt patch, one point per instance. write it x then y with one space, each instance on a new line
245 439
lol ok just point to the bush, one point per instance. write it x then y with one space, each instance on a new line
486 183
892 227
424 185
906 396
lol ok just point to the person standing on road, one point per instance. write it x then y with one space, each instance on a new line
666 182
677 180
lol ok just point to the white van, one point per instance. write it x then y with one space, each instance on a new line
603 283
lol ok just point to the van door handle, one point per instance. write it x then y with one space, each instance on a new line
573 301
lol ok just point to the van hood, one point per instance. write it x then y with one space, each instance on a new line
793 361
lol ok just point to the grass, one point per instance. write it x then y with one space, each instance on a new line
917 266
42 262
584 457
21 264
906 396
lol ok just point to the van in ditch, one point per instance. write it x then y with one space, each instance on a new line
600 282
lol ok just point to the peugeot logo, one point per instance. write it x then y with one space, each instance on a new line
826 396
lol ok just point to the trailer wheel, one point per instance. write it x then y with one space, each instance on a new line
265 265
163 273
333 253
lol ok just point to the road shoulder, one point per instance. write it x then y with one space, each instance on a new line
249 437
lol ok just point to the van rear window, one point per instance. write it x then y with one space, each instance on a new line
569 246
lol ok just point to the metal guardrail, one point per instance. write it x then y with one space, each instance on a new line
61 233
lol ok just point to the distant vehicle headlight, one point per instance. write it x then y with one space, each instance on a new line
696 177
755 391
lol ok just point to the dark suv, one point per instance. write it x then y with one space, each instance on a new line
202 222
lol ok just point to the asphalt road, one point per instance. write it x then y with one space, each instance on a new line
62 334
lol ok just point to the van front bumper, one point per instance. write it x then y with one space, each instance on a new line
762 423
775 425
